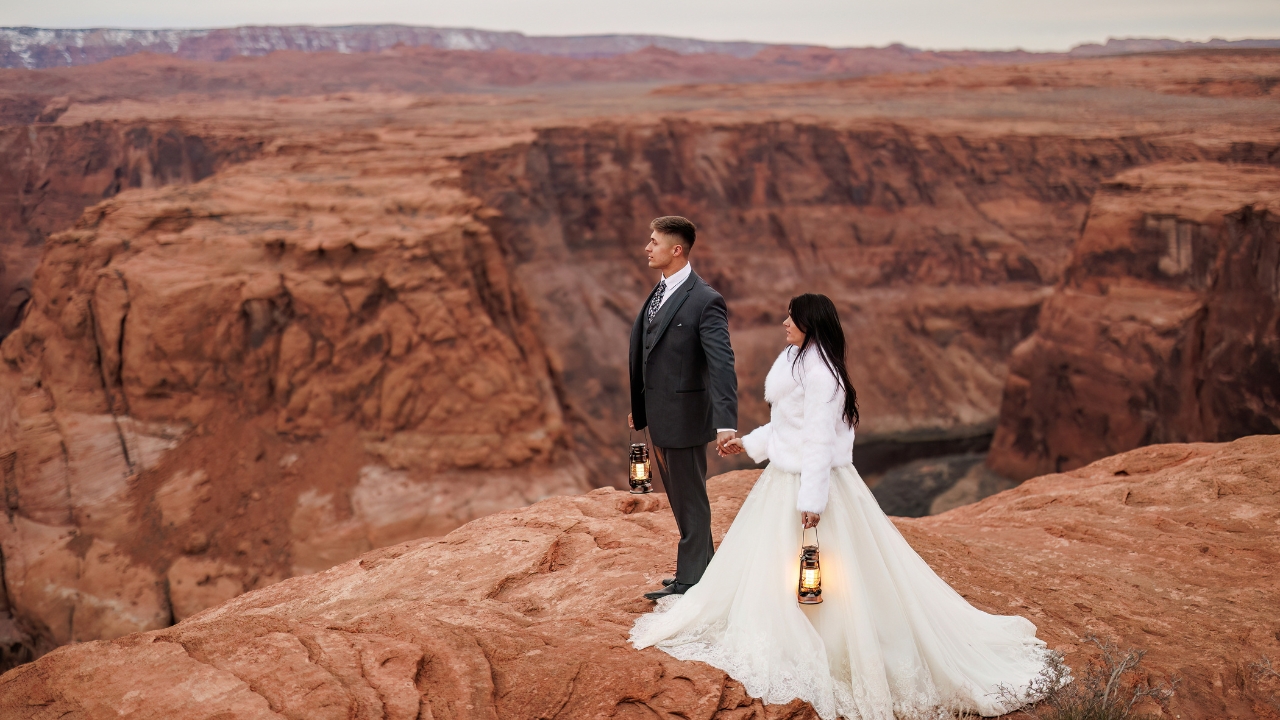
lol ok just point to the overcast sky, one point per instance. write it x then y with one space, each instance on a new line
942 24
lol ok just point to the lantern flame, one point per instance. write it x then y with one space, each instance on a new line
809 579
639 471
809 591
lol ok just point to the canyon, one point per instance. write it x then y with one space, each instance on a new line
1166 328
525 613
268 315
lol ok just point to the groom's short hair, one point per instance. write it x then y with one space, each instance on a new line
676 226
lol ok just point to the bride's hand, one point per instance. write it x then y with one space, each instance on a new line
810 519
732 447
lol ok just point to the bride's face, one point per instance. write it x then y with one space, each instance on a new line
794 336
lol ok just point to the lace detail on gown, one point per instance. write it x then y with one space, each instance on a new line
778 687
890 640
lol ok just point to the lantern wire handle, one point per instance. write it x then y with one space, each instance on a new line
815 536
631 436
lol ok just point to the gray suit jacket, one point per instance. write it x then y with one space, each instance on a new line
683 384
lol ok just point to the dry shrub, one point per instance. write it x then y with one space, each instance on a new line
1110 687
1267 679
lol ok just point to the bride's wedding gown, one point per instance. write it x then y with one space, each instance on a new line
890 639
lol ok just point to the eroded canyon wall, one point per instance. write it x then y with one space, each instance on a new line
937 249
50 173
220 385
1166 327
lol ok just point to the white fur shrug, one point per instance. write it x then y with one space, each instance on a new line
806 432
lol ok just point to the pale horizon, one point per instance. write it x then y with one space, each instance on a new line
991 25
173 28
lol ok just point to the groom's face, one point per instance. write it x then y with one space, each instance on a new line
662 249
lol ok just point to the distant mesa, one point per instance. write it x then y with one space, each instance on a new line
1128 46
41 48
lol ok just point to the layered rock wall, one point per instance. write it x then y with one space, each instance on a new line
220 385
1165 328
49 174
937 249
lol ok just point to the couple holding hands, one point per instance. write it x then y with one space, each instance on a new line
891 638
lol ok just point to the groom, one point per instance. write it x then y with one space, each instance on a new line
683 388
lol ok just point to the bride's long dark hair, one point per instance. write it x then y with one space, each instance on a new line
815 316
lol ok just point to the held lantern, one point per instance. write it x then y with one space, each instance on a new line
639 475
809 591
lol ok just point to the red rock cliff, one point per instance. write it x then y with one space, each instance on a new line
1165 328
936 248
49 174
223 384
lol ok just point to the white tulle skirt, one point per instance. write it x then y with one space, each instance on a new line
891 639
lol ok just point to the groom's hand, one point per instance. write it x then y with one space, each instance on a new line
723 437
733 447
631 423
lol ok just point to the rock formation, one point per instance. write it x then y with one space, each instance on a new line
525 613
936 249
49 174
342 364
309 322
1166 327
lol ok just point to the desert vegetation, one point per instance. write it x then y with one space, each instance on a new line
1106 683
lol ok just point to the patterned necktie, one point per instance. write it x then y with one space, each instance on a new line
657 298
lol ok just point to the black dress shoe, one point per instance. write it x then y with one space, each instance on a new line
674 588
667 581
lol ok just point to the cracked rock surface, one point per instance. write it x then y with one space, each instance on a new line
525 613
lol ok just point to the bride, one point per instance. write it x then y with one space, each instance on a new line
891 638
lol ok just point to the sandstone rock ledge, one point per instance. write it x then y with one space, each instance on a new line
525 613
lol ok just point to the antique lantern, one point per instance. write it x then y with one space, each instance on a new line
809 591
639 474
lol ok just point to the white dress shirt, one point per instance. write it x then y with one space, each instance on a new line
675 282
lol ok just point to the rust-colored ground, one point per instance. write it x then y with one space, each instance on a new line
525 613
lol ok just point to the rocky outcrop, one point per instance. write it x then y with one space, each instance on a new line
223 384
1166 326
525 613
50 174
